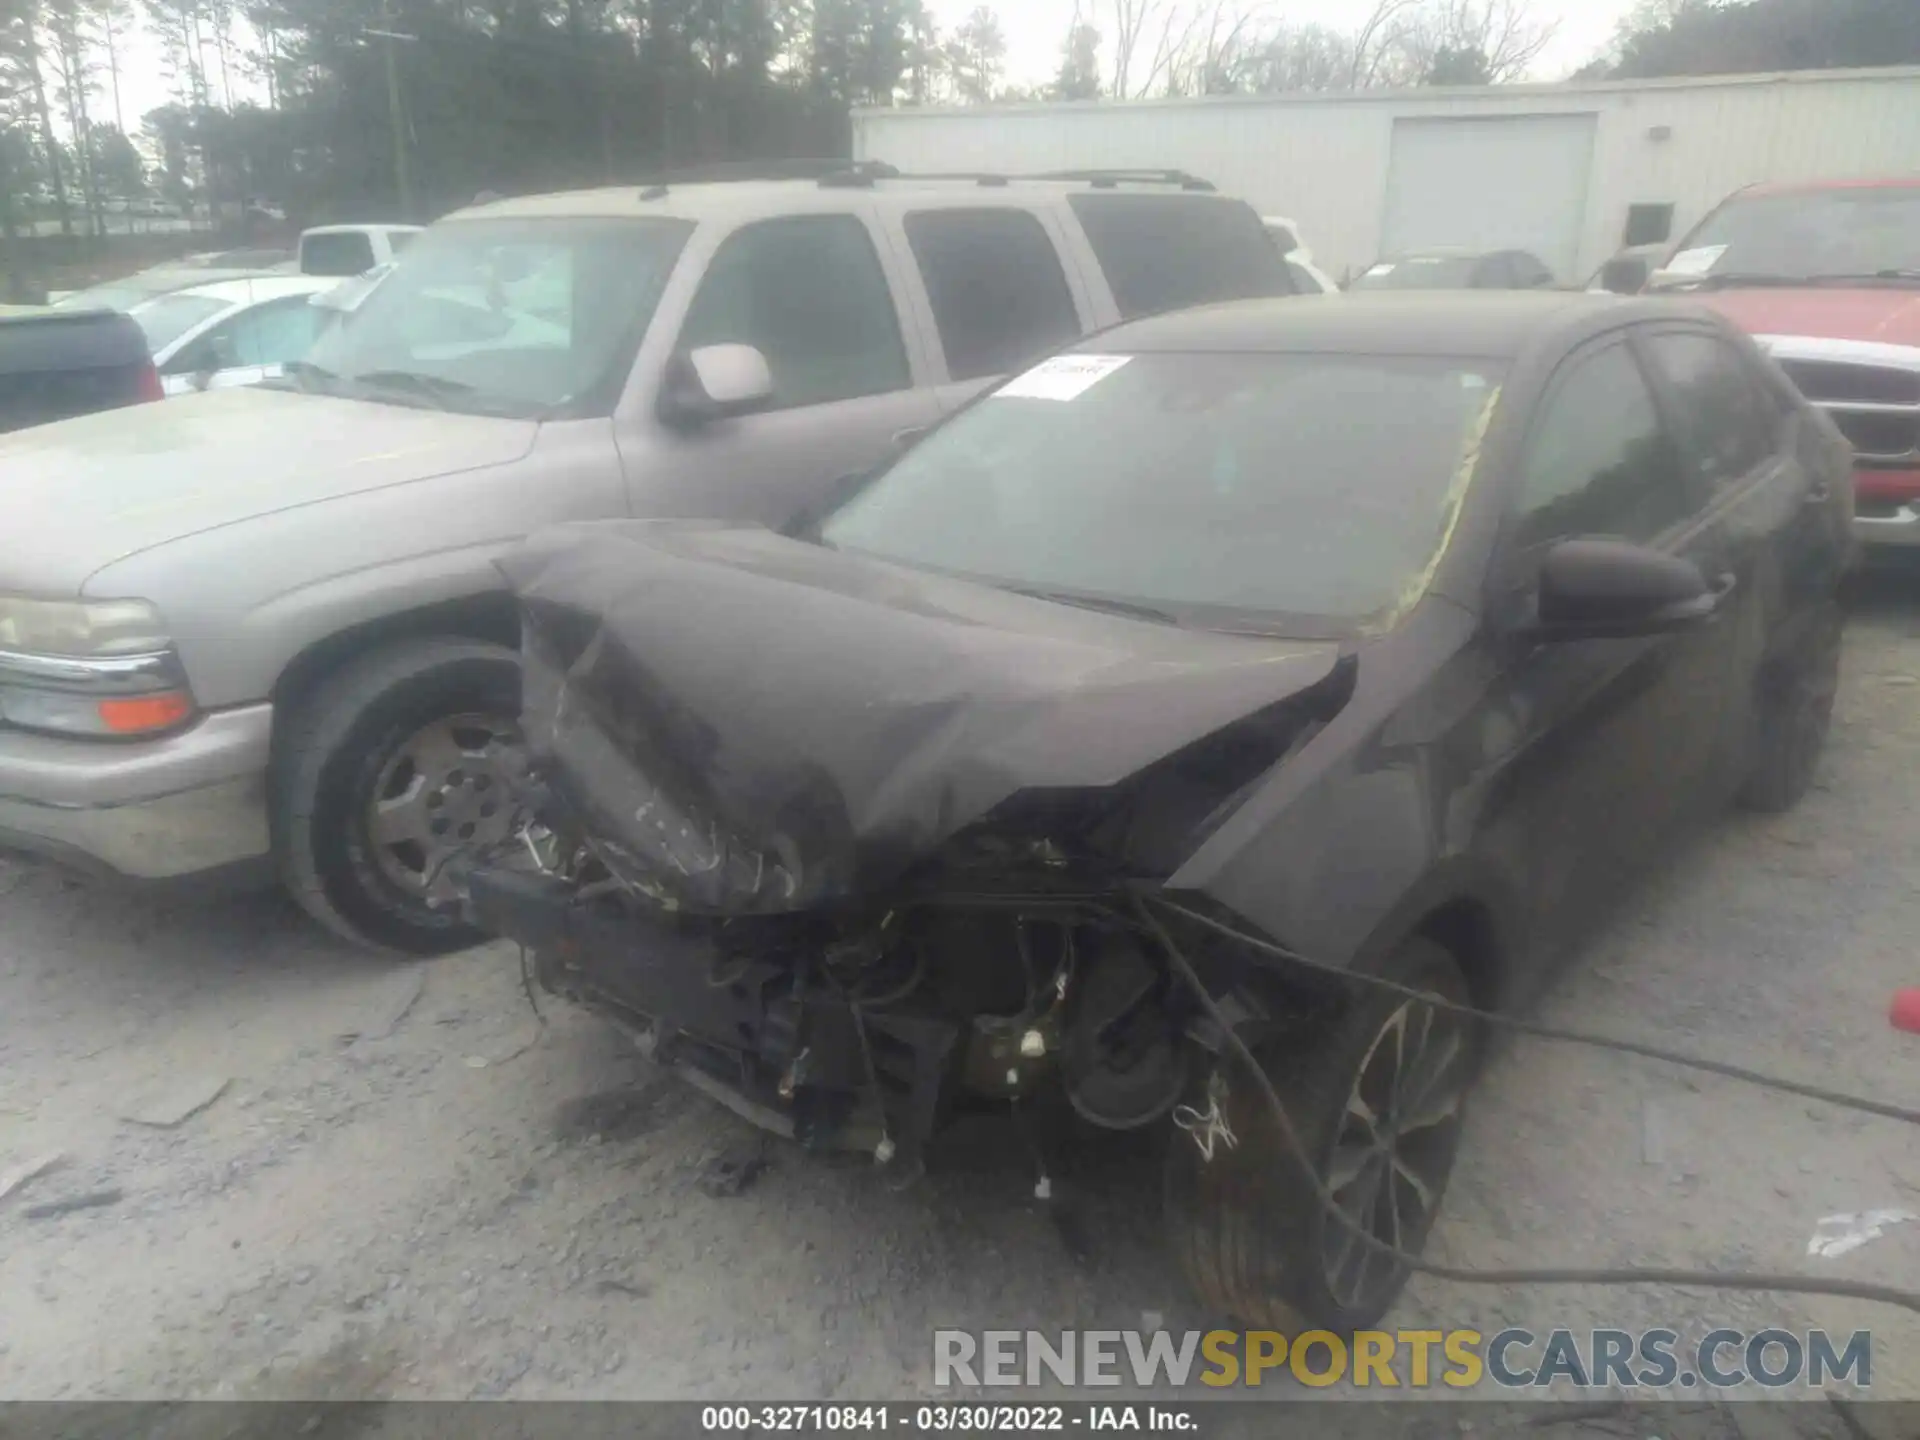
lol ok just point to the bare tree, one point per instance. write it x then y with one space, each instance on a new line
1079 74
1220 50
1508 35
976 55
1301 58
115 18
1374 42
1133 22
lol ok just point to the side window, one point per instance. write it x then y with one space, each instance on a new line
1597 460
1168 252
999 295
1496 272
1530 273
1727 423
274 334
215 350
809 293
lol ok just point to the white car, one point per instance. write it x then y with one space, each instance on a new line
1308 278
231 332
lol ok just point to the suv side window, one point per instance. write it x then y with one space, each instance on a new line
1726 421
1168 252
809 293
999 295
1598 461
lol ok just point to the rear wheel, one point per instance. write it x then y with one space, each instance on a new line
1795 713
1377 1100
388 770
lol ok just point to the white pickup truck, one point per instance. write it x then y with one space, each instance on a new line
348 250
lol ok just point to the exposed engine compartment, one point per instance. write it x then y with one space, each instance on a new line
860 846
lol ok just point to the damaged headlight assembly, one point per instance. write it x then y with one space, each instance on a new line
102 669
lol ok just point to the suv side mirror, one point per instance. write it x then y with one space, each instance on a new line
715 382
1611 590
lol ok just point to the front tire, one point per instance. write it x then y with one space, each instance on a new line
1377 1099
386 769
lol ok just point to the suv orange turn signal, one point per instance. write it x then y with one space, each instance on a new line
141 714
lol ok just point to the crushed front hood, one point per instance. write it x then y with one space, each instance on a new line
748 724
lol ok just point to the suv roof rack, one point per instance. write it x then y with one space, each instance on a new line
850 174
1107 179
1099 179
741 171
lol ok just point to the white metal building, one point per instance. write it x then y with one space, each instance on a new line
1555 169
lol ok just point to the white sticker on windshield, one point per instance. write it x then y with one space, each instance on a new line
1382 269
1065 377
1695 262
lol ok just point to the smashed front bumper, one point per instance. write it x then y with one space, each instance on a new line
788 1056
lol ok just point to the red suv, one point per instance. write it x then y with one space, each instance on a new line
1826 276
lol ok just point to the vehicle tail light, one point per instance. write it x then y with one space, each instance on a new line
148 386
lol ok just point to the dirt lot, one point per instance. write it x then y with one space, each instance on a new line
404 1184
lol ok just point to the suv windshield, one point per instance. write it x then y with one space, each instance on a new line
516 317
1264 492
1858 233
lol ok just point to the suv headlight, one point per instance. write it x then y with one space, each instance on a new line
80 628
100 668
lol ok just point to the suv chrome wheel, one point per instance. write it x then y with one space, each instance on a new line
442 791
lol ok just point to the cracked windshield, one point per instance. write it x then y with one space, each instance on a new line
978 716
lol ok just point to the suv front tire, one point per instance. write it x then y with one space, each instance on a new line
385 769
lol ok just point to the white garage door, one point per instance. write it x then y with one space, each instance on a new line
1508 183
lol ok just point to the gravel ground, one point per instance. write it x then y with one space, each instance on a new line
402 1183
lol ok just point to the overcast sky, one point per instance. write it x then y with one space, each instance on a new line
1034 30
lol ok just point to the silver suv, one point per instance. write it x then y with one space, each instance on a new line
262 627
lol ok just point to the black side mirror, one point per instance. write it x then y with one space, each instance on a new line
1612 590
715 382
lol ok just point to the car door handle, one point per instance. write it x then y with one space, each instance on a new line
904 438
1819 494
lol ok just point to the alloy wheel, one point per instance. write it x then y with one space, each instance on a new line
1393 1148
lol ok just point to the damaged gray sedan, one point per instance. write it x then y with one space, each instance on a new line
1101 745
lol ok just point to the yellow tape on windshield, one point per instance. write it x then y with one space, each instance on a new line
1455 504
